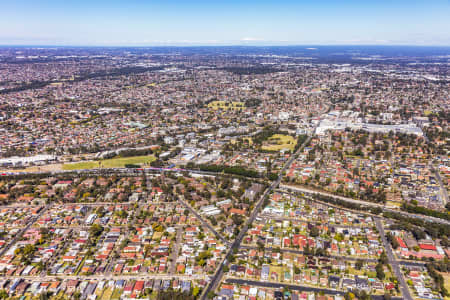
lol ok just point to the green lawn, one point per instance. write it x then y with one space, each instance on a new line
107 294
278 142
116 294
446 283
109 163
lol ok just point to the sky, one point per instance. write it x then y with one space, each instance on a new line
217 22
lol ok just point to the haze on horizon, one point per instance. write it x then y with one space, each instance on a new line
201 22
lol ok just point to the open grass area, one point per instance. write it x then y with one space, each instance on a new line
157 236
278 142
60 295
116 294
99 292
107 294
226 105
45 168
393 204
354 271
446 283
277 269
110 163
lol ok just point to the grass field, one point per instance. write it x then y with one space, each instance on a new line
107 294
157 235
226 105
116 294
278 270
278 142
109 163
99 293
45 168
393 204
446 283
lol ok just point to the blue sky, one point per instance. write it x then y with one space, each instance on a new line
217 22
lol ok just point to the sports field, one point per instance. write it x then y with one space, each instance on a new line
278 142
110 163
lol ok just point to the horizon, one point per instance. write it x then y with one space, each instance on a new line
224 23
218 45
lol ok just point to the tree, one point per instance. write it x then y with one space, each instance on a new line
380 271
28 250
238 220
44 295
260 245
383 258
393 240
339 237
359 265
363 295
349 296
314 232
96 230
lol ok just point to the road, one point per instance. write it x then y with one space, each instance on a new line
111 261
295 251
364 203
443 190
339 257
204 223
134 172
19 235
175 250
143 276
54 258
393 261
111 171
330 225
293 287
212 286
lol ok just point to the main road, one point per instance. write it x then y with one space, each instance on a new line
237 242
108 171
393 261
443 189
137 276
295 287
